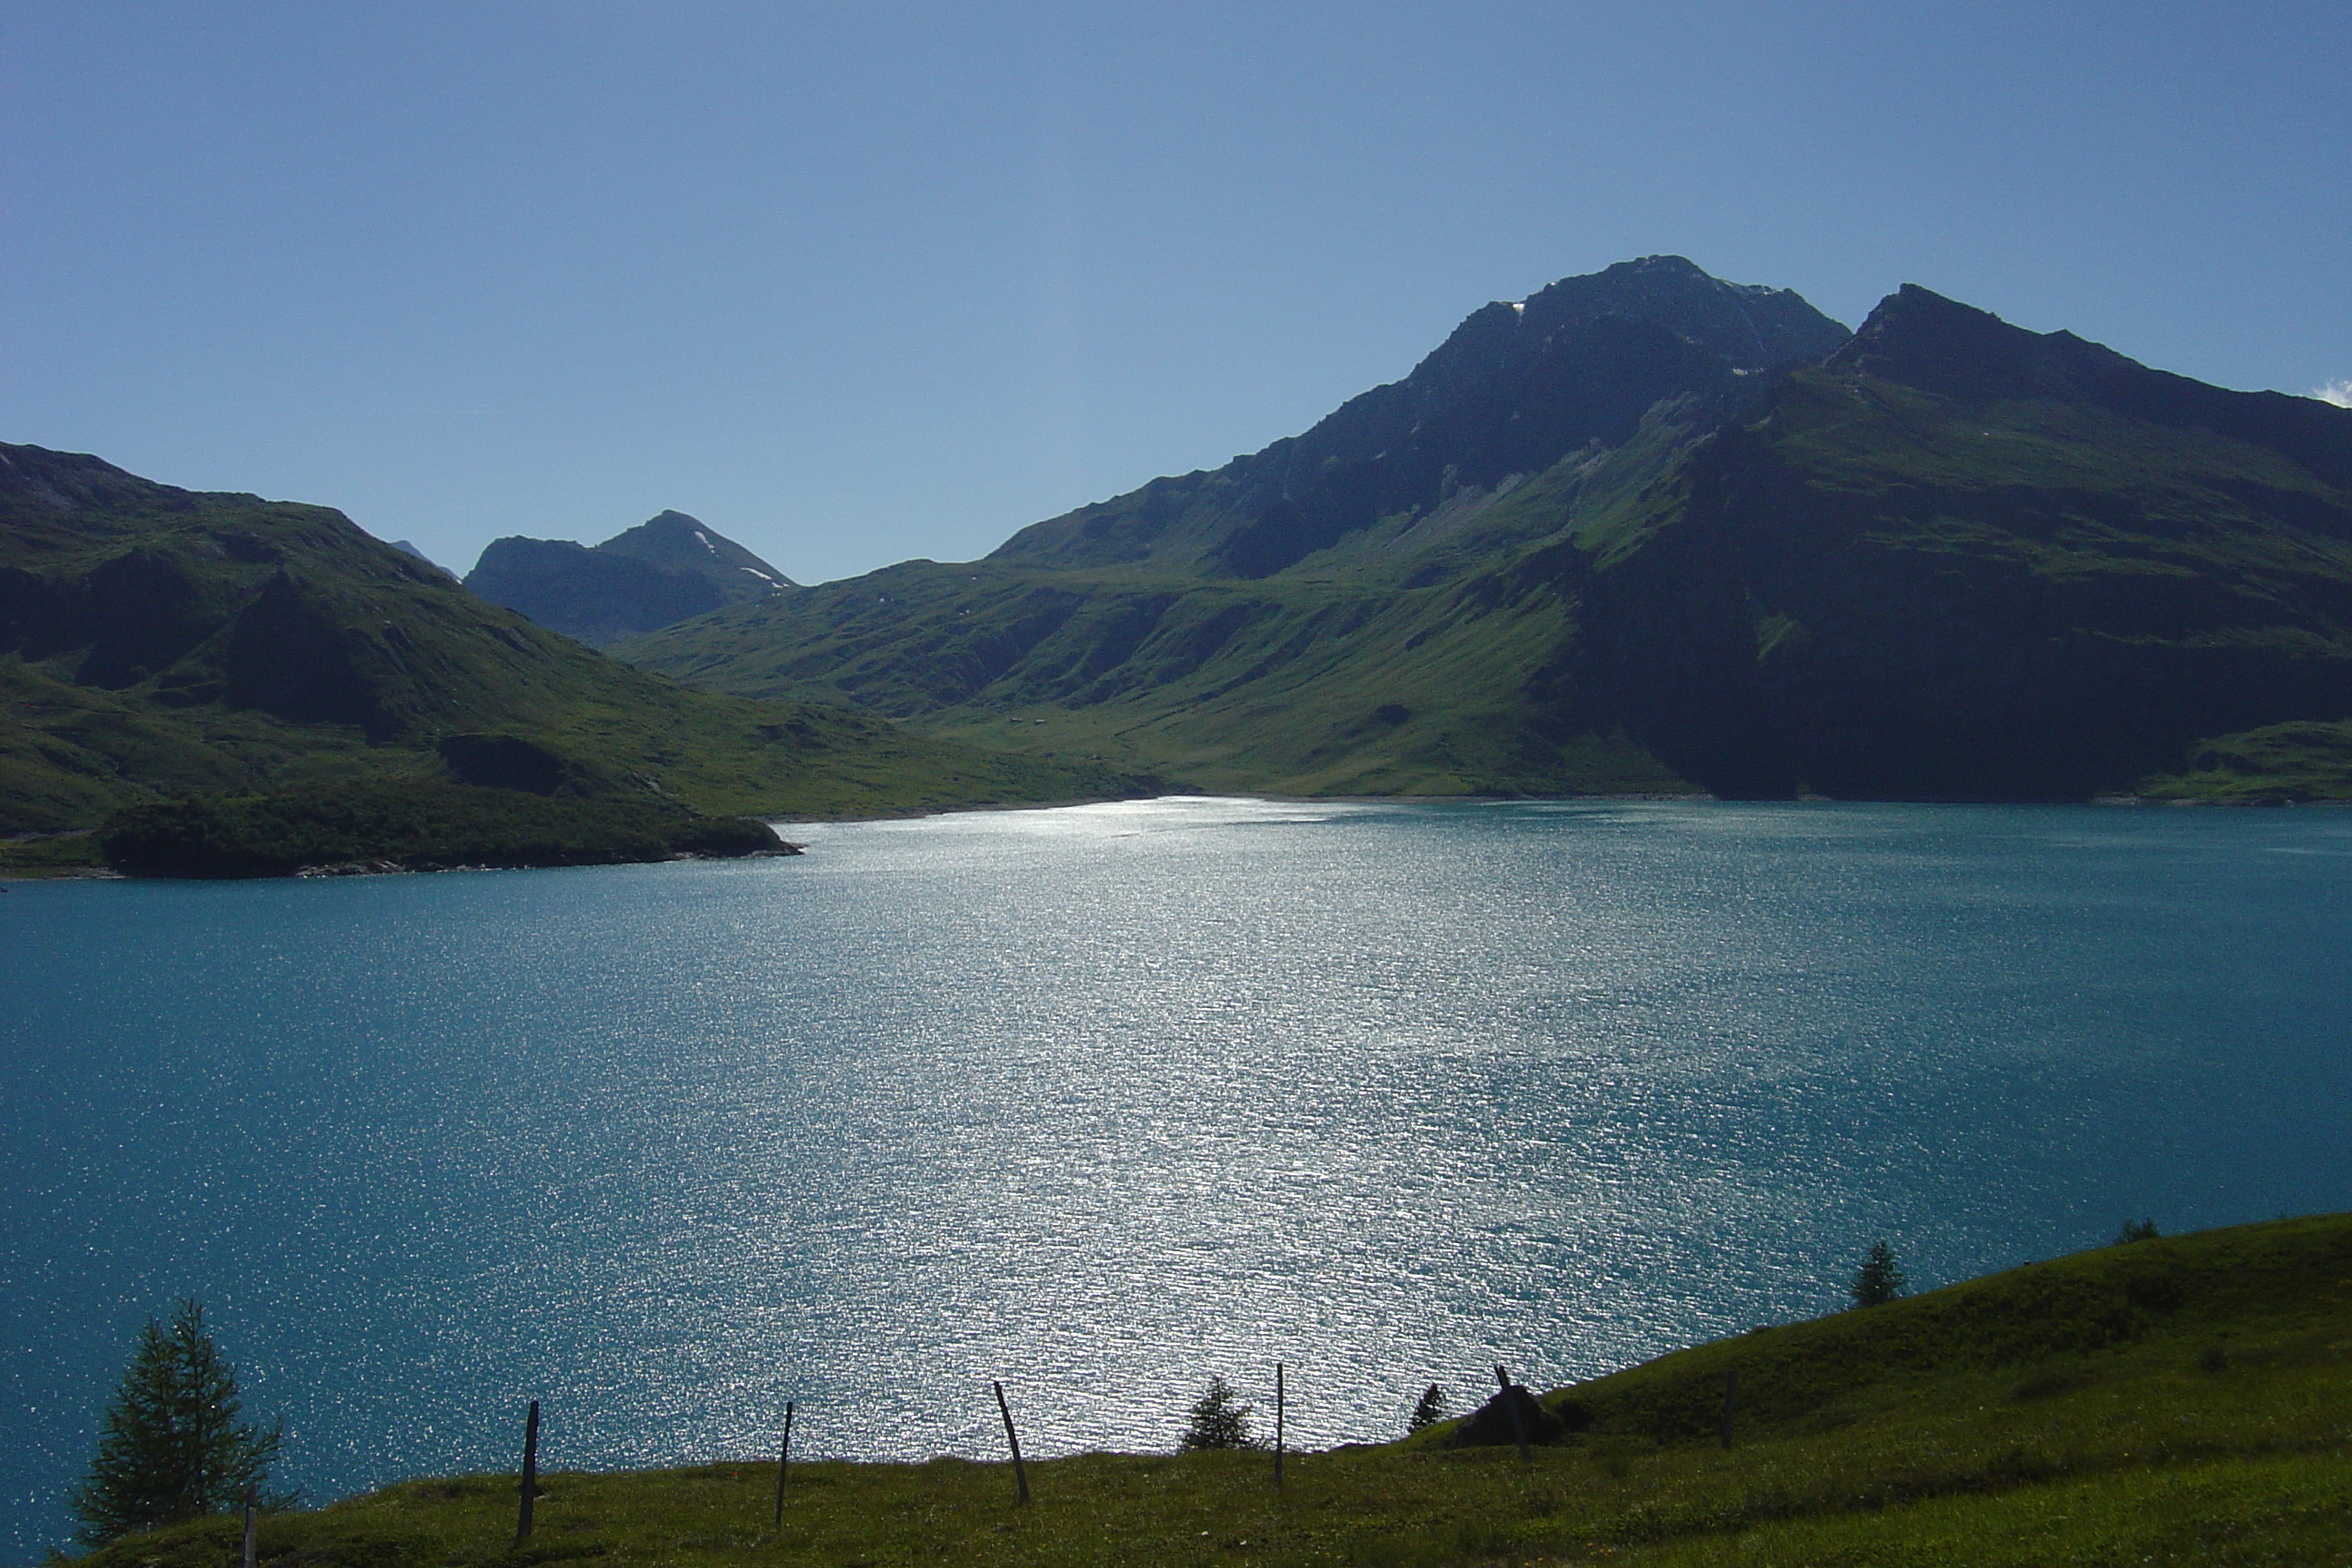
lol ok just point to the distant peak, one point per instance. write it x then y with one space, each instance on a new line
1753 326
405 548
677 526
664 525
1683 265
679 541
1917 336
1913 303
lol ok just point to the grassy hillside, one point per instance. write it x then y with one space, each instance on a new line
2176 1401
1301 685
2275 764
157 642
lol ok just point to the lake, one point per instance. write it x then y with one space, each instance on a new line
1101 1100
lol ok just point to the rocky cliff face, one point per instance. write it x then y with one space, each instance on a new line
661 570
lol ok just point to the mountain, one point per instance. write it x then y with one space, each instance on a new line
1961 559
672 542
1570 371
405 548
661 570
158 642
1649 531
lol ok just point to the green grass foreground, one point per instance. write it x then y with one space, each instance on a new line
2176 1401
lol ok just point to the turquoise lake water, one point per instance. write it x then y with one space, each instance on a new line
1101 1100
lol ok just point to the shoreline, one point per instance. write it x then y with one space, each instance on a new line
87 872
1696 797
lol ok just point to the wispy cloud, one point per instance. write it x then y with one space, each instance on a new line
2339 392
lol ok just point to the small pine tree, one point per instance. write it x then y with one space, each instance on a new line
1878 1280
1219 1421
1430 1411
2136 1230
170 1446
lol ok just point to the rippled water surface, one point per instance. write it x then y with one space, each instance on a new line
1101 1100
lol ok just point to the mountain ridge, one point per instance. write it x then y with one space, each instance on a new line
1946 558
1512 390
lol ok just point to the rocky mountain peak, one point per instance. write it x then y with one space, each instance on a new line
1752 325
678 543
1517 388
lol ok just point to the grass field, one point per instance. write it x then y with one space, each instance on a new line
2175 1401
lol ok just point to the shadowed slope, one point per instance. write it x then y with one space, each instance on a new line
1960 559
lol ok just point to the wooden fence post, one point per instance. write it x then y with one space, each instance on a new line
249 1493
1519 1422
1277 1426
530 1473
1020 1475
784 1457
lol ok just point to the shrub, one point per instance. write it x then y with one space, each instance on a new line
1219 1421
2136 1230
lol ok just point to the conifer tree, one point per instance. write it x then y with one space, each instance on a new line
171 1444
1219 1421
1878 1280
1430 1411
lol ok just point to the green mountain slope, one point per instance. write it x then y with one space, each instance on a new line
156 642
1953 559
2177 1401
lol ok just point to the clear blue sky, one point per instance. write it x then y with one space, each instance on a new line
860 283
